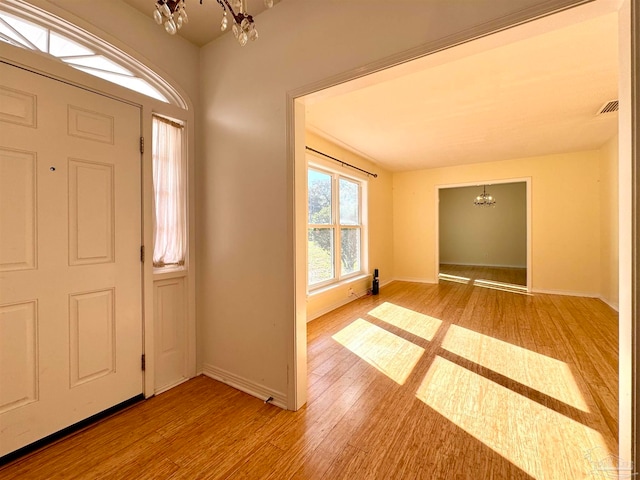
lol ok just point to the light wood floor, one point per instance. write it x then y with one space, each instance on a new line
513 276
433 382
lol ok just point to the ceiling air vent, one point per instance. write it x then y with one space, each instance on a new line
608 107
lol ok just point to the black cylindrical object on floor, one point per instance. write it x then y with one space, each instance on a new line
375 289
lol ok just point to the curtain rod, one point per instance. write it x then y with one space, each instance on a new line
164 119
374 175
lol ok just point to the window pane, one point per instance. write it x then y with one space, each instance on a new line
349 211
320 255
60 46
132 83
319 185
12 37
35 34
350 250
99 62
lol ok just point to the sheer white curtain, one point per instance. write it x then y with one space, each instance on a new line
169 189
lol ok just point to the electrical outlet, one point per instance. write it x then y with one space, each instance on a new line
350 292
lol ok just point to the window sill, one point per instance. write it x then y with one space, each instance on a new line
342 283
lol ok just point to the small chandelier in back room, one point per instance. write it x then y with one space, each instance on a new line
173 15
485 199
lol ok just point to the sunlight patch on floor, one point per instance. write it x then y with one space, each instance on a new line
539 372
418 324
392 355
542 442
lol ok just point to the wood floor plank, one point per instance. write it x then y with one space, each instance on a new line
510 275
448 381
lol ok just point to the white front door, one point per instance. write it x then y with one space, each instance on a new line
70 272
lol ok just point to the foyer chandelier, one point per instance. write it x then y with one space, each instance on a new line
485 199
173 15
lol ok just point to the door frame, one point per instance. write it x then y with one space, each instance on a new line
629 408
634 66
525 180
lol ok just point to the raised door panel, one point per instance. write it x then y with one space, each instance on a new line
90 125
91 212
18 215
91 336
170 324
18 107
18 355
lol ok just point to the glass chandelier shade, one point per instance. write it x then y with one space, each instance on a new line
484 199
173 15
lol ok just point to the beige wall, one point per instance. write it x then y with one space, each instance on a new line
494 236
565 228
246 278
609 222
379 226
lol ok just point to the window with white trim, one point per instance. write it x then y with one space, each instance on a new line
169 194
26 26
335 227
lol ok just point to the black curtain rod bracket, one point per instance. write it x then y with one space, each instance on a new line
343 163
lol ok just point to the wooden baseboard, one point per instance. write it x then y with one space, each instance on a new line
170 386
333 306
614 305
279 399
416 280
490 265
566 293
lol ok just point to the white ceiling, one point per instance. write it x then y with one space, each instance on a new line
535 96
507 99
204 19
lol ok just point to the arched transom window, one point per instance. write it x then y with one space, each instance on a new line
28 27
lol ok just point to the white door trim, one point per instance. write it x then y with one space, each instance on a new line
526 180
297 355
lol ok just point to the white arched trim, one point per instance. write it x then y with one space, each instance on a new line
29 27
